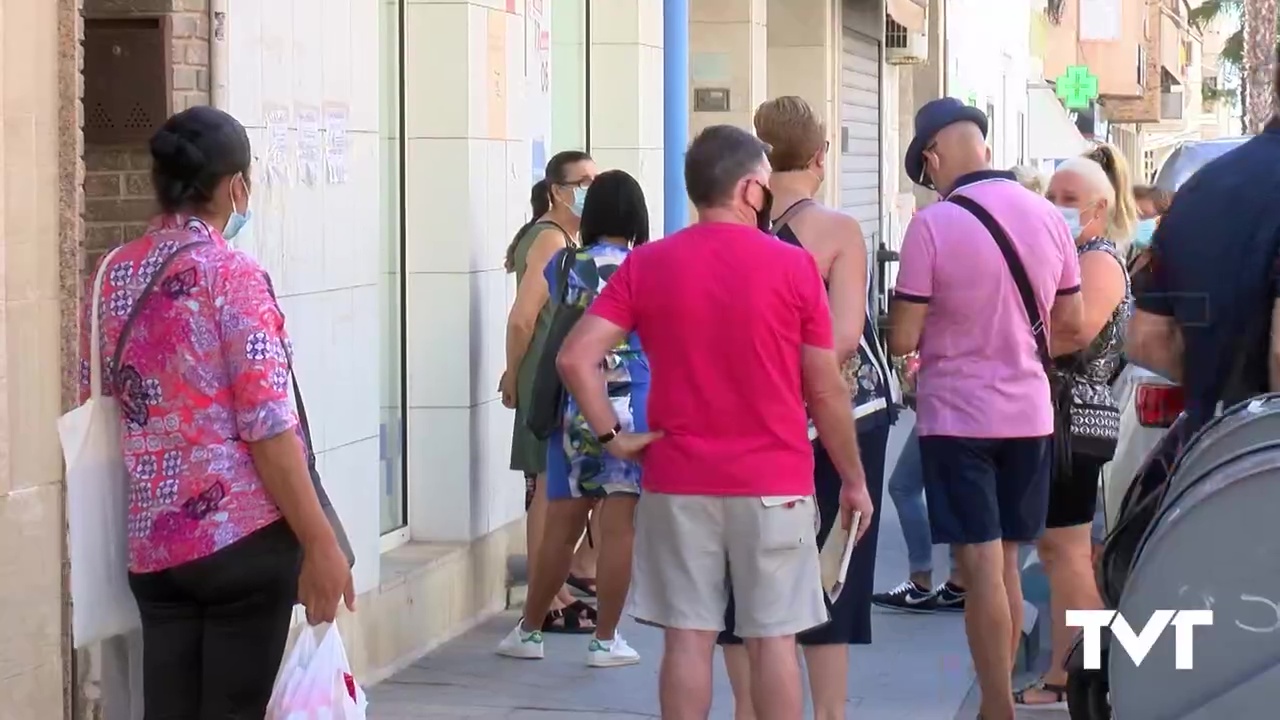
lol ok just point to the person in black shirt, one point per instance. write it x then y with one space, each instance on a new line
1204 319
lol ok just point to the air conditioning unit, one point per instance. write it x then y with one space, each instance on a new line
903 46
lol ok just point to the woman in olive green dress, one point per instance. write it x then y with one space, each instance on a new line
556 202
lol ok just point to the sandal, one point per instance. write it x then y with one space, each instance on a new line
586 587
1059 693
569 620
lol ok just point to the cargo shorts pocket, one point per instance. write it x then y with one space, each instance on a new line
788 523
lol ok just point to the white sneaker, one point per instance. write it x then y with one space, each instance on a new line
611 653
521 645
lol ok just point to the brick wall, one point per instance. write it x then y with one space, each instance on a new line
117 186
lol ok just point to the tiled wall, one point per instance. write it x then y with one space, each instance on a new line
626 95
803 59
468 180
31 524
728 48
321 241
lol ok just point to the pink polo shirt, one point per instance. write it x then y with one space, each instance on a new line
980 374
722 312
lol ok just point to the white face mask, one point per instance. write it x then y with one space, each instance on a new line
579 201
237 222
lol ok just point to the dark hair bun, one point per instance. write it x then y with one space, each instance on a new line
192 153
176 153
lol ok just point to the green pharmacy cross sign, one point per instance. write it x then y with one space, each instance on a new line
1077 87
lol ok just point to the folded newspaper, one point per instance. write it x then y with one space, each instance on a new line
835 555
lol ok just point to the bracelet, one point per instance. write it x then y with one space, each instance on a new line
607 437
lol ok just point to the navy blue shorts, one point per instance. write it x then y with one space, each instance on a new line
980 489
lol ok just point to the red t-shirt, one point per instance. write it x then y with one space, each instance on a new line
722 311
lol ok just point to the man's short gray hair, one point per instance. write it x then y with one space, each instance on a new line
717 160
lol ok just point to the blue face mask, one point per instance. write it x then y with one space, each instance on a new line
579 199
1072 216
237 221
1143 233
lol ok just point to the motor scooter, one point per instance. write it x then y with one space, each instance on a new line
1194 531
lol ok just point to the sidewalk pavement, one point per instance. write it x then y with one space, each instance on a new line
917 668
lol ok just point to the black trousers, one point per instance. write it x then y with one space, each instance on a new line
214 630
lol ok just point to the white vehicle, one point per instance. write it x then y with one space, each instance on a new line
1148 406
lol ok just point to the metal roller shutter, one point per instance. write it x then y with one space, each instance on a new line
860 131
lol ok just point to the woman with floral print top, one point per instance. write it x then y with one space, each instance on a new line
580 470
226 532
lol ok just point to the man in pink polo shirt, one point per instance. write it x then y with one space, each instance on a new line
983 413
738 333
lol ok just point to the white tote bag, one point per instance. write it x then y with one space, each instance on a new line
315 682
97 504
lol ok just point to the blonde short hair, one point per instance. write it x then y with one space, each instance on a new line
1029 178
793 130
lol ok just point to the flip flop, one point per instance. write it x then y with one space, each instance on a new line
1059 693
586 587
569 620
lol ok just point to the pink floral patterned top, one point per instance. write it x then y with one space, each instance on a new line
203 373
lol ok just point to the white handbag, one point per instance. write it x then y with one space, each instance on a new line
102 606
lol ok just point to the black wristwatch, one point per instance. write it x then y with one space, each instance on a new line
607 437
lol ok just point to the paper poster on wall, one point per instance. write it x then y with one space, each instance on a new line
496 56
278 158
335 142
537 84
310 152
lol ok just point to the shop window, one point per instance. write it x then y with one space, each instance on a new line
393 479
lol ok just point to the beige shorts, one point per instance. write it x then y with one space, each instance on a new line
689 548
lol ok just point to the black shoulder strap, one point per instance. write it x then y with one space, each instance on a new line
293 378
568 238
567 257
156 277
1016 269
790 213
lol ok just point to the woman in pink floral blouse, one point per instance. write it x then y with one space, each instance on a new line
226 530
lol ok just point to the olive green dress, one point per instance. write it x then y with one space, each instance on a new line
528 453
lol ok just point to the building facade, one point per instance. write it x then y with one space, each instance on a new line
395 143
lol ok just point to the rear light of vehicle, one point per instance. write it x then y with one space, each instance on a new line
1159 405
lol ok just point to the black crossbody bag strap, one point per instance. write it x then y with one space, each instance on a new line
293 379
1017 270
138 304
326 504
567 258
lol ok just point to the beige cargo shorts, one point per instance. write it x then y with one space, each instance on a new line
690 548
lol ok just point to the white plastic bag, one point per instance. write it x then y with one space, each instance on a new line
97 504
315 681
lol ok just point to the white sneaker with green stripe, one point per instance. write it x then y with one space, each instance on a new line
611 653
522 645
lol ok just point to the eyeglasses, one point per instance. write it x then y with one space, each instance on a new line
583 183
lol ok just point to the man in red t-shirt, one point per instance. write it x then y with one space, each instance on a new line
737 330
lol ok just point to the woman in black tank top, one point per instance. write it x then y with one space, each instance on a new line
798 159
